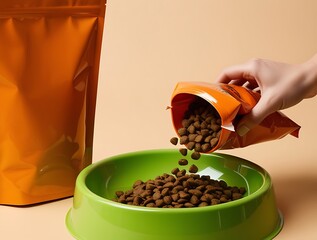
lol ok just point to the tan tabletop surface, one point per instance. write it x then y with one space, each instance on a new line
151 45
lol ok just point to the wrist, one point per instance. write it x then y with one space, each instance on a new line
310 76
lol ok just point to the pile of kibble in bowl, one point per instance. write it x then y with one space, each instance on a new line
200 131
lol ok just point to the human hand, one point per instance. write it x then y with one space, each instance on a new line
281 86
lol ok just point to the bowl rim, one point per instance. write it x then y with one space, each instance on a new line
83 188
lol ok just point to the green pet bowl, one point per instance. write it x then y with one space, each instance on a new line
95 216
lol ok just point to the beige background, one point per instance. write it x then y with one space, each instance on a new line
148 47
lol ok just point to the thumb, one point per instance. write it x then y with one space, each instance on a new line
261 110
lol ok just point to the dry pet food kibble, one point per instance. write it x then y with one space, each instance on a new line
193 169
201 126
174 140
179 190
183 151
200 132
182 162
195 155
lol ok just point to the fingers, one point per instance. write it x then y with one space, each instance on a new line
261 110
253 75
241 75
231 74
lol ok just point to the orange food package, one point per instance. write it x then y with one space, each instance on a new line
49 64
231 102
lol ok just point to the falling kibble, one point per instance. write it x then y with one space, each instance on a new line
174 140
195 155
182 162
183 151
193 169
200 132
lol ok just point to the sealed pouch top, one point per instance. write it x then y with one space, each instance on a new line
230 102
24 6
49 62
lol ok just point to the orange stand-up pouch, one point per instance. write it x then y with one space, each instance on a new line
231 102
49 63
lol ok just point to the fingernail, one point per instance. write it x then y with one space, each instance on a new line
242 130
